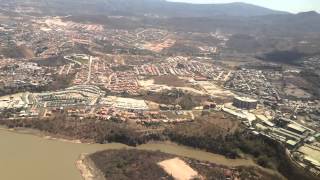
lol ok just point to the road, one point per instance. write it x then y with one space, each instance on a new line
61 70
69 68
90 69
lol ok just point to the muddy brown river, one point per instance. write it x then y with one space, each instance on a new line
29 157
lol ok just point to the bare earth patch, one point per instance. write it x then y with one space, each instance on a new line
170 80
178 169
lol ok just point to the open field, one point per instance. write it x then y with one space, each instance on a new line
158 47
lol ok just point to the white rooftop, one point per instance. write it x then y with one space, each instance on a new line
246 99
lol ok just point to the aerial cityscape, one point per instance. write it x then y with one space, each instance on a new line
152 89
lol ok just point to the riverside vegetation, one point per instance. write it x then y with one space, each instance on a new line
214 132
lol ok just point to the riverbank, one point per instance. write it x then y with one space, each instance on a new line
171 148
54 159
50 159
45 135
166 147
186 134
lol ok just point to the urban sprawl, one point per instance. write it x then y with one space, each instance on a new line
110 81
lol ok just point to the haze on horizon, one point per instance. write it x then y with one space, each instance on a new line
293 6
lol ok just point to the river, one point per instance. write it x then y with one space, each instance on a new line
26 156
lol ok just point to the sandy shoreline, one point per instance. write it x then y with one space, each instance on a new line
87 168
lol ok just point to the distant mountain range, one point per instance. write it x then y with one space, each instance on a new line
175 9
144 7
231 17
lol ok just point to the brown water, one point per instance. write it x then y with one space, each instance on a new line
29 157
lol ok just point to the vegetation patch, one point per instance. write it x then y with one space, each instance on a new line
131 164
143 165
286 57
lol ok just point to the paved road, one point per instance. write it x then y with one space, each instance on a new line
90 68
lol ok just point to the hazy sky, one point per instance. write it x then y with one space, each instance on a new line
285 5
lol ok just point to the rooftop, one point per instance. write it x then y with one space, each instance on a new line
296 127
310 151
247 99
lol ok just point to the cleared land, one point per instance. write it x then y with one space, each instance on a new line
170 80
178 169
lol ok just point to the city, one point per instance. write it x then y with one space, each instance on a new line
251 96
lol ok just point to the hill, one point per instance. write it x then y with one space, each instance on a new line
140 8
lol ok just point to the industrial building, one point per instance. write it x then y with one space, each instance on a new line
245 103
85 95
